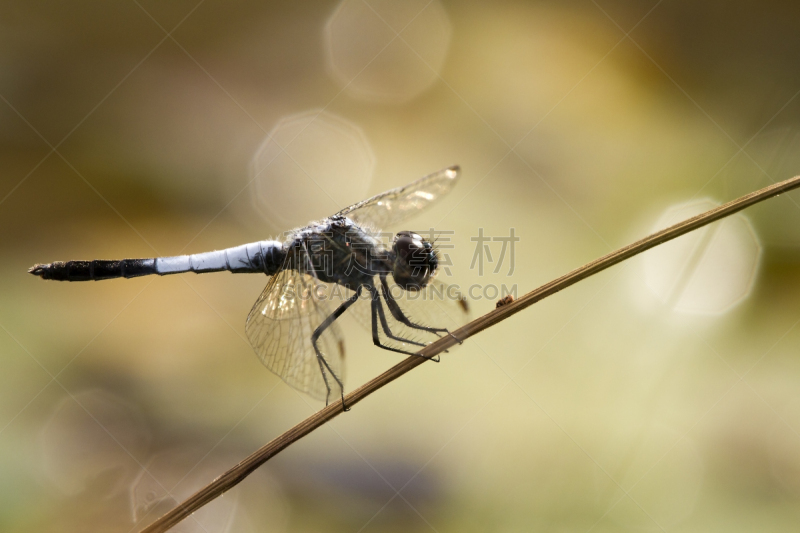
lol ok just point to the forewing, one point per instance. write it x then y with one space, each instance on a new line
280 326
393 206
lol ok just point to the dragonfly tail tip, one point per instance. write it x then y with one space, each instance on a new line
38 270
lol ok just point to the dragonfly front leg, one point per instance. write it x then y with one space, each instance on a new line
398 314
323 363
378 314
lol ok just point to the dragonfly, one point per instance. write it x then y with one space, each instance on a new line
316 274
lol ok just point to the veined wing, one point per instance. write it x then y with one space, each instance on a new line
280 326
393 206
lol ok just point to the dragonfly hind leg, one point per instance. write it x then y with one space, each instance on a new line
323 363
378 314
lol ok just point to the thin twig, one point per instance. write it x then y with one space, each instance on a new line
232 477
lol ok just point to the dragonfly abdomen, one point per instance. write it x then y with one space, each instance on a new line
94 270
265 257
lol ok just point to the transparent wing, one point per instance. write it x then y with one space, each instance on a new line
438 306
393 206
280 327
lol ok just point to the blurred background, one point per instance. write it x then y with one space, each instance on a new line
663 394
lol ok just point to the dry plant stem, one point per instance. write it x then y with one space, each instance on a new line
236 474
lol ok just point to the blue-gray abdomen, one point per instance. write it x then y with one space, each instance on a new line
265 257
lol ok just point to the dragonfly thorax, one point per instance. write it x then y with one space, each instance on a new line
337 250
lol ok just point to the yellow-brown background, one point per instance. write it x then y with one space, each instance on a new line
542 423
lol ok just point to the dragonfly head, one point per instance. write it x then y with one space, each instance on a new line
414 259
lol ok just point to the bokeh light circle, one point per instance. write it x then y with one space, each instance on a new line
310 166
707 271
387 51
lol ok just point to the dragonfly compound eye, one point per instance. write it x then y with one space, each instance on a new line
415 260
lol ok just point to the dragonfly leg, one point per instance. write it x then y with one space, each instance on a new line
378 314
321 358
385 325
322 371
398 314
